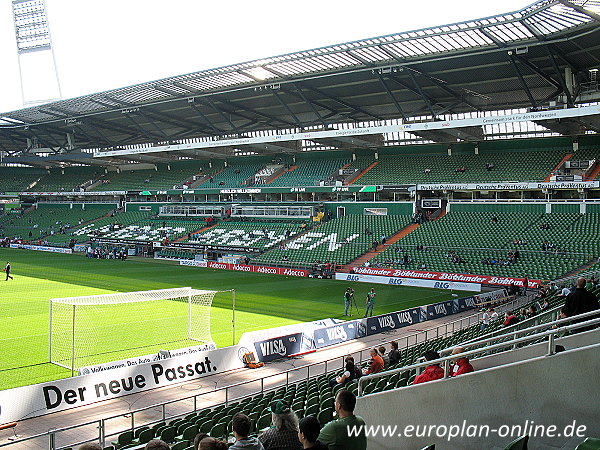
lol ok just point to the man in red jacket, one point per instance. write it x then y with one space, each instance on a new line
432 372
376 364
461 365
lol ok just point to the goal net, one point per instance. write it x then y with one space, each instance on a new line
100 328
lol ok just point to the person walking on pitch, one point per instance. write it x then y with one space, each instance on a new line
370 303
7 270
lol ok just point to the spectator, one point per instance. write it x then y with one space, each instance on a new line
308 433
386 360
522 315
461 364
199 438
335 434
351 372
376 365
578 302
209 443
394 355
565 291
93 446
544 304
531 311
284 433
432 372
485 320
510 319
157 444
241 426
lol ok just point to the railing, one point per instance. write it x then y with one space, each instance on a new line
489 348
100 430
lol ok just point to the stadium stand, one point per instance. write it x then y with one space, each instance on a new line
311 169
163 177
238 173
150 230
67 179
262 235
430 167
483 245
18 179
52 221
340 240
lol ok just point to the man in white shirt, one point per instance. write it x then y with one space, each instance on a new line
485 319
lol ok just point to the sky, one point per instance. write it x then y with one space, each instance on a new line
108 44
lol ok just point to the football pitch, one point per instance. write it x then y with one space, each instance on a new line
262 301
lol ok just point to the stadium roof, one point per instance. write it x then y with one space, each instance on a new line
546 52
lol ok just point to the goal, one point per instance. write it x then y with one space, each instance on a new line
100 328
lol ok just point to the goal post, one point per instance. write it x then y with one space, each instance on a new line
93 329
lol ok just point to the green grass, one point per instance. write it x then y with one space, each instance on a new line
262 301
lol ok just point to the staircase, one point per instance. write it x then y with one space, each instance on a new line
281 173
380 248
184 237
352 180
559 165
594 174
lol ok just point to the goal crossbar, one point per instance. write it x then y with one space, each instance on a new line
131 297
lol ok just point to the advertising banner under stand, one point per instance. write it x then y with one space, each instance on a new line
437 310
278 347
392 321
129 377
336 334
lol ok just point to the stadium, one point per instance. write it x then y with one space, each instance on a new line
179 251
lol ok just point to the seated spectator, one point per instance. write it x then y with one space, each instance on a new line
523 315
427 170
308 433
489 166
544 304
510 319
157 444
351 372
209 443
394 355
565 291
335 434
493 315
376 364
92 446
431 372
461 365
283 435
386 361
531 311
241 426
199 438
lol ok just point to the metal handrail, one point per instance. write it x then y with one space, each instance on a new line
534 328
512 343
